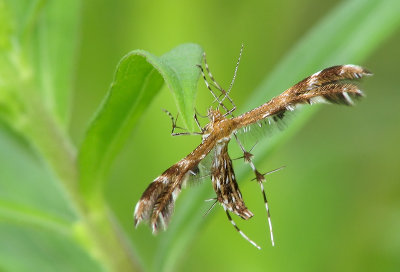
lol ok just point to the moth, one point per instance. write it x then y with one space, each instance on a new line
335 84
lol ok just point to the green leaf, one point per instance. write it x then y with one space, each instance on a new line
5 26
138 78
54 41
38 42
36 222
32 191
24 248
355 28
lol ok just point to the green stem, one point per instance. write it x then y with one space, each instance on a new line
26 112
109 238
100 236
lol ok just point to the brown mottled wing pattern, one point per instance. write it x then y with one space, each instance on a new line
332 85
157 202
224 182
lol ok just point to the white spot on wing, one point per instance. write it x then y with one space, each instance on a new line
162 179
175 194
317 100
182 163
137 207
316 74
266 114
290 107
161 217
347 97
356 67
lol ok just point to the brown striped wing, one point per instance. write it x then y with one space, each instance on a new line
333 85
224 183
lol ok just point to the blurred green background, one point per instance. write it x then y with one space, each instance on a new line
335 207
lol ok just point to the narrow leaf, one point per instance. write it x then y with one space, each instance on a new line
138 78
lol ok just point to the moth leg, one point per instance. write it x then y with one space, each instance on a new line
174 126
260 179
241 232
209 86
247 156
197 123
201 115
210 74
211 207
217 86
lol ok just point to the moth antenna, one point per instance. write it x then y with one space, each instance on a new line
241 232
226 94
236 69
210 89
232 82
215 84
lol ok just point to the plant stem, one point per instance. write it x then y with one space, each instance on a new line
102 239
109 238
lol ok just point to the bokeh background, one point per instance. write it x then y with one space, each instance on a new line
335 207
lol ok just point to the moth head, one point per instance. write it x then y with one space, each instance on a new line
214 115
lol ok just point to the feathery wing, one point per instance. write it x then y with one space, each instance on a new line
157 202
332 85
224 183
